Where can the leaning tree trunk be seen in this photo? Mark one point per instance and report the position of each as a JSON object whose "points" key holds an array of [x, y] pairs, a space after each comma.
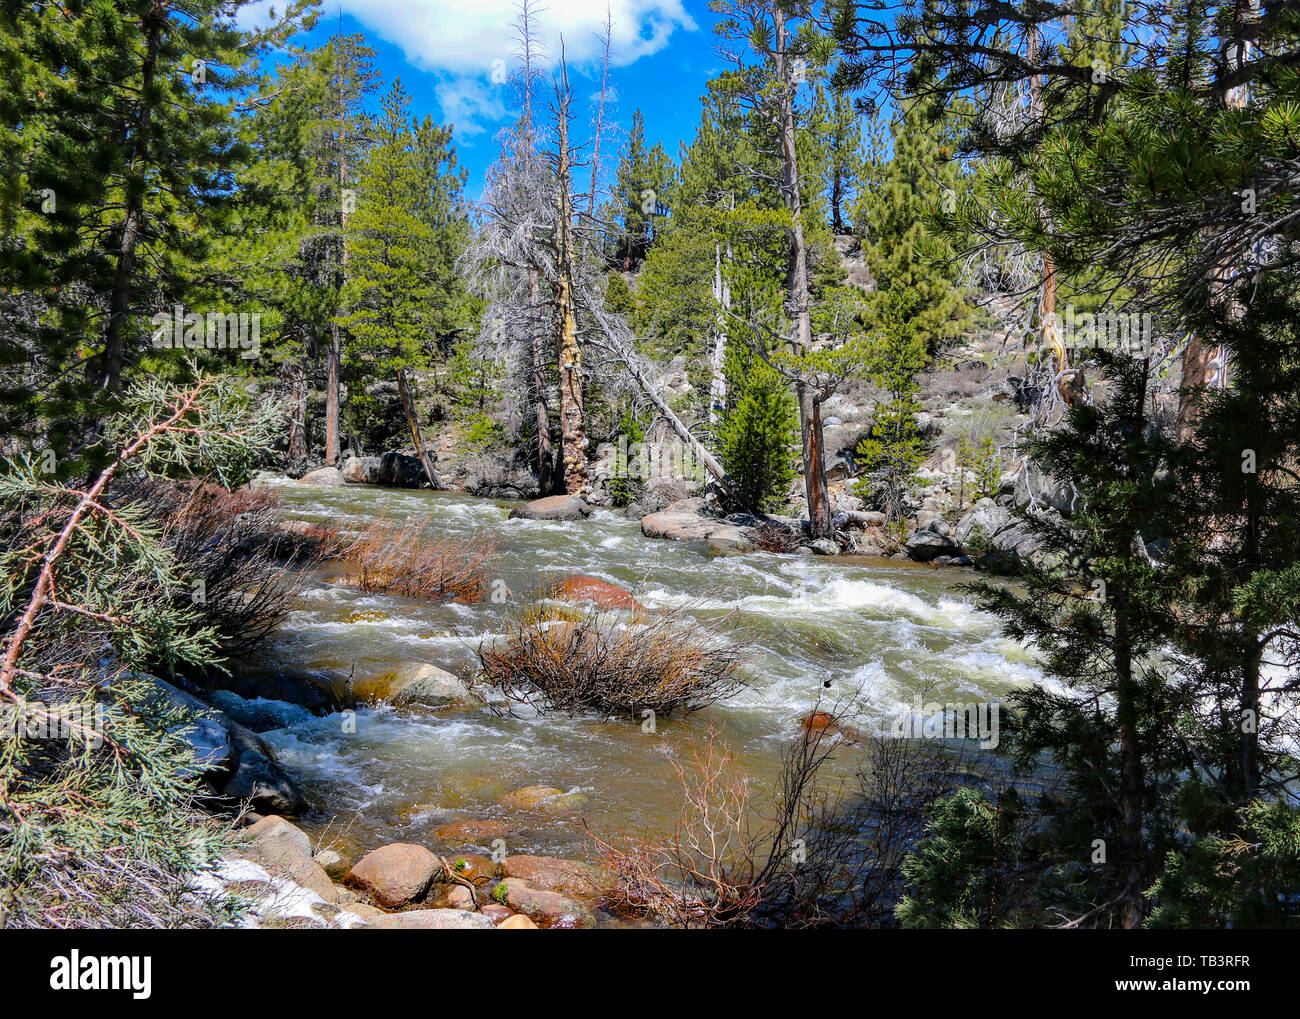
{"points": [[810, 427], [408, 408]]}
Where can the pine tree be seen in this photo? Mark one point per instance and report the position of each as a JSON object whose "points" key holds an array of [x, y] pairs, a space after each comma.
{"points": [[758, 432]]}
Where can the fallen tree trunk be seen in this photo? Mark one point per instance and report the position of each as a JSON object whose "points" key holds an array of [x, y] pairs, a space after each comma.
{"points": [[620, 348]]}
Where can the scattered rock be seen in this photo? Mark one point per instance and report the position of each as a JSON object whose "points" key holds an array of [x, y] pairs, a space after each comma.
{"points": [[543, 799], [570, 877], [824, 546], [926, 545], [432, 920], [396, 874], [334, 864], [553, 507], [549, 910], [517, 922]]}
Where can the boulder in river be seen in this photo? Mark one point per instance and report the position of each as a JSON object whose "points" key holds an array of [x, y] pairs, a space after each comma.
{"points": [[398, 470], [414, 685], [926, 545], [232, 760], [361, 470], [600, 593], [396, 875], [322, 476], [553, 507]]}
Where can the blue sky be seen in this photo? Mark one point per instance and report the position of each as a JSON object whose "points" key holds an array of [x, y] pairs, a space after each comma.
{"points": [[446, 53]]}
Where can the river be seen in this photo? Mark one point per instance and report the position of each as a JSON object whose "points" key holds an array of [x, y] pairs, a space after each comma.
{"points": [[880, 633]]}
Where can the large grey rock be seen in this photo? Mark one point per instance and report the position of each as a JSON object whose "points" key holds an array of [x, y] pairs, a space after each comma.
{"points": [[431, 920], [1033, 487], [329, 476], [361, 470], [232, 760], [926, 545], [985, 518], [397, 470], [553, 507]]}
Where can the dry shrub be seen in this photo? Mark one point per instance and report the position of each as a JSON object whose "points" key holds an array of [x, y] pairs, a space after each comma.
{"points": [[772, 537], [826, 853], [401, 558], [578, 657], [234, 542]]}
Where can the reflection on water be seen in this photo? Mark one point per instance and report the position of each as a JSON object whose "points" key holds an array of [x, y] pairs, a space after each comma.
{"points": [[871, 636]]}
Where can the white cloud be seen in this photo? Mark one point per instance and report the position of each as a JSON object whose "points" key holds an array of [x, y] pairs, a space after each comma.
{"points": [[469, 44], [466, 36]]}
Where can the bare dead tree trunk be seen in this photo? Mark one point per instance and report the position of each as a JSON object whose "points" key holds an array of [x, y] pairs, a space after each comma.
{"points": [[814, 466], [408, 408], [545, 456], [107, 373], [573, 439], [334, 356], [722, 300]]}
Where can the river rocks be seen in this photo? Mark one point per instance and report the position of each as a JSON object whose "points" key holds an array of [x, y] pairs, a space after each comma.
{"points": [[475, 831], [661, 493], [553, 507], [233, 761], [569, 877], [689, 520], [333, 863], [361, 470], [730, 539], [396, 874], [824, 546], [516, 922], [473, 867], [432, 920], [1033, 487], [600, 593], [543, 799], [549, 910], [981, 521], [330, 476], [925, 545], [281, 847], [414, 685], [398, 470]]}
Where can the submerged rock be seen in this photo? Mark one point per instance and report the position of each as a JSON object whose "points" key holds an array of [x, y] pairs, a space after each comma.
{"points": [[543, 799], [553, 507], [396, 875], [414, 685], [600, 593]]}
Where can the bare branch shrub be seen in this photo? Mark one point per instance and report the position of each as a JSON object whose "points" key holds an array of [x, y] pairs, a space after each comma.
{"points": [[579, 657], [401, 558]]}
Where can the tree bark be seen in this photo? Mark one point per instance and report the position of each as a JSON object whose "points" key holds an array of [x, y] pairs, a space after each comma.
{"points": [[107, 374], [408, 408], [298, 423], [573, 439], [814, 466], [722, 299]]}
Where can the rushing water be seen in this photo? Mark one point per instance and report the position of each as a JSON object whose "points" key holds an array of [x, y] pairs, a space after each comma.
{"points": [[880, 633]]}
